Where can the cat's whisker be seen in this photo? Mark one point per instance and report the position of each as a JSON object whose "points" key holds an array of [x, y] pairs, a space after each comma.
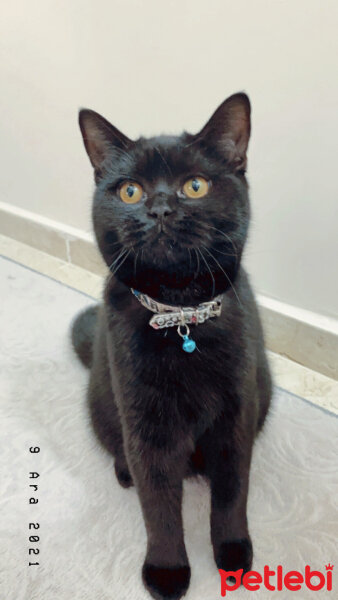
{"points": [[227, 237], [224, 253], [198, 262], [114, 244], [189, 252], [210, 271], [126, 254], [116, 259], [226, 275], [121, 263], [135, 261]]}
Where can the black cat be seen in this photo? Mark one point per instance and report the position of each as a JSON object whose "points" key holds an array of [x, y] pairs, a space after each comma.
{"points": [[171, 216]]}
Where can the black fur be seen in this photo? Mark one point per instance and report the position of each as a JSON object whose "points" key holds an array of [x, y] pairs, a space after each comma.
{"points": [[83, 331], [165, 414]]}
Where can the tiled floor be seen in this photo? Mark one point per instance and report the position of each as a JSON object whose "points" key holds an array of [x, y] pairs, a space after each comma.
{"points": [[299, 380]]}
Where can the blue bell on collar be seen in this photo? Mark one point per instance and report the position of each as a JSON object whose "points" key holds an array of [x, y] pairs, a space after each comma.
{"points": [[188, 345]]}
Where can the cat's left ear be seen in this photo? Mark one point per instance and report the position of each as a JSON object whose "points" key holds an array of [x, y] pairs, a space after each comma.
{"points": [[229, 130]]}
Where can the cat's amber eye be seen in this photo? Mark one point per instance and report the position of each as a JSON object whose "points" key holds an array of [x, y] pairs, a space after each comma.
{"points": [[196, 187], [131, 192]]}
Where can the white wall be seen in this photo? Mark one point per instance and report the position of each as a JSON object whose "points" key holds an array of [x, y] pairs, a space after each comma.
{"points": [[151, 66]]}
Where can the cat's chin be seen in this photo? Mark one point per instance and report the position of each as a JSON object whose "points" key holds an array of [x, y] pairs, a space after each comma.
{"points": [[164, 252]]}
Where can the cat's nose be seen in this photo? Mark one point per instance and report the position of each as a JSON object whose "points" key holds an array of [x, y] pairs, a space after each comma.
{"points": [[159, 209]]}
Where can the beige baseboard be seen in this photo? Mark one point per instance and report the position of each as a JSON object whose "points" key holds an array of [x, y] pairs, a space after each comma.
{"points": [[57, 239], [303, 336]]}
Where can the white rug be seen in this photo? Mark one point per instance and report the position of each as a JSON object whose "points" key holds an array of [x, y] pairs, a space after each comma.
{"points": [[92, 538]]}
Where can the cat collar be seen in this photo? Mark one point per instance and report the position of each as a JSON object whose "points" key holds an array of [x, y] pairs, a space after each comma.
{"points": [[180, 316]]}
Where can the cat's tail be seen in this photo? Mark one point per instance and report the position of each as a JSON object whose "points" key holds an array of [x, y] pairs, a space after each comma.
{"points": [[83, 332]]}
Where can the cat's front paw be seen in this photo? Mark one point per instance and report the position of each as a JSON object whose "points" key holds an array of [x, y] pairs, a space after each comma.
{"points": [[166, 582], [233, 555], [123, 476]]}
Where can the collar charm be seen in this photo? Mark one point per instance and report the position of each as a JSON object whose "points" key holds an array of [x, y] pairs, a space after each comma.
{"points": [[188, 344], [180, 316]]}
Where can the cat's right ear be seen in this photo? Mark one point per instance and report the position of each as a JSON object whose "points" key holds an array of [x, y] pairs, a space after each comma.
{"points": [[100, 139]]}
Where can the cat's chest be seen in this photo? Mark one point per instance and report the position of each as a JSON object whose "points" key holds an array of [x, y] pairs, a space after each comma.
{"points": [[167, 392], [153, 368]]}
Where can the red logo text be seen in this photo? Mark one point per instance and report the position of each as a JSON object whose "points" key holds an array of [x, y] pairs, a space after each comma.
{"points": [[277, 580]]}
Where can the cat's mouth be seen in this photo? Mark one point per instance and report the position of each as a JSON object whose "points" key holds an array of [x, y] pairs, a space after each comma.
{"points": [[161, 236], [168, 238], [164, 244], [161, 229]]}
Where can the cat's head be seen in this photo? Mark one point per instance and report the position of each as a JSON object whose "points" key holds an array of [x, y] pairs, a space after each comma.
{"points": [[171, 213]]}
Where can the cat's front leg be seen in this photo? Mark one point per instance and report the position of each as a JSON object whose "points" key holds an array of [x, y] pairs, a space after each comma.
{"points": [[158, 476], [228, 465]]}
